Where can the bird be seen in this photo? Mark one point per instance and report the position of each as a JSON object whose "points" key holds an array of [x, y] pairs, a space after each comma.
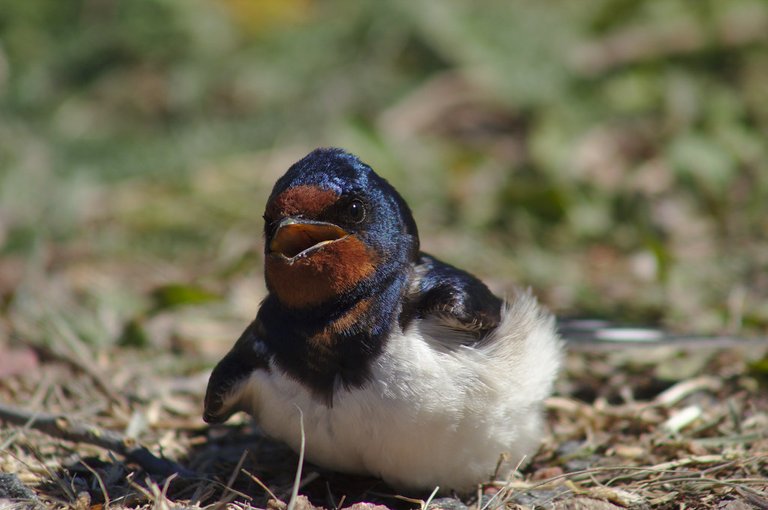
{"points": [[381, 359]]}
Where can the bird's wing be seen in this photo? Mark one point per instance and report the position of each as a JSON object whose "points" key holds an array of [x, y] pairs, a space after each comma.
{"points": [[450, 298], [222, 396]]}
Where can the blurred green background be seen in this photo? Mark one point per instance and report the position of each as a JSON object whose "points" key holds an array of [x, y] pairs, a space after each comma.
{"points": [[611, 154]]}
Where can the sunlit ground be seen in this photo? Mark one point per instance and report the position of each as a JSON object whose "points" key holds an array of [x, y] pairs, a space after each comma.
{"points": [[609, 155]]}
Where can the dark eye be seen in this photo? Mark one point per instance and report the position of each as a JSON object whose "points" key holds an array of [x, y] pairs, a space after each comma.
{"points": [[356, 211]]}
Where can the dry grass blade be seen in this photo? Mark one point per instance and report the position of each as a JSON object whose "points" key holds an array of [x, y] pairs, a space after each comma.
{"points": [[102, 486], [76, 361], [425, 504], [229, 494], [261, 484], [26, 426], [506, 487], [297, 479], [63, 428]]}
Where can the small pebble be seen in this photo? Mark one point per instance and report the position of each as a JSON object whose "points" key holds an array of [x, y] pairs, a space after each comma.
{"points": [[12, 488], [447, 504]]}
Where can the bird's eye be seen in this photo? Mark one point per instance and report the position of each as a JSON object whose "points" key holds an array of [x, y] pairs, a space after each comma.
{"points": [[356, 211]]}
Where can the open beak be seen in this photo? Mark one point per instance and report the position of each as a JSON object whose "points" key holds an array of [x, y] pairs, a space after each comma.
{"points": [[296, 238]]}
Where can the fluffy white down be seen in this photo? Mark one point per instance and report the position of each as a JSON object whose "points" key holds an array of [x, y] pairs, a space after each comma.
{"points": [[435, 413]]}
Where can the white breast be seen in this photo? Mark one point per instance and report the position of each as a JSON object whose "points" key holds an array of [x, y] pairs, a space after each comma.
{"points": [[435, 412]]}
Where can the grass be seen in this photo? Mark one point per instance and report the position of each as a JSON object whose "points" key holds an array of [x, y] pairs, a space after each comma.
{"points": [[620, 431], [616, 166]]}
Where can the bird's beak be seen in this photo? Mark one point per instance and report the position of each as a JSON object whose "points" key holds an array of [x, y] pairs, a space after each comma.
{"points": [[298, 237]]}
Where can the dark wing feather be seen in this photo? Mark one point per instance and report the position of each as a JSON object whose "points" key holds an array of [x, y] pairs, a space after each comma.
{"points": [[453, 297], [248, 354]]}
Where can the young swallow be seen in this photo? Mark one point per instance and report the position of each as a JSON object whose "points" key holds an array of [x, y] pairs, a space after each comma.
{"points": [[403, 367]]}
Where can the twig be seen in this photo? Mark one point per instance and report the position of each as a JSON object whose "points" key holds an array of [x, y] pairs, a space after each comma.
{"points": [[63, 428]]}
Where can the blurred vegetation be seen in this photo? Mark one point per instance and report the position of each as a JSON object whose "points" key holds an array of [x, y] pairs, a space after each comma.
{"points": [[609, 153]]}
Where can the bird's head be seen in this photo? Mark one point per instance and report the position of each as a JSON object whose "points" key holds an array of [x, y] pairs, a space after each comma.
{"points": [[334, 228]]}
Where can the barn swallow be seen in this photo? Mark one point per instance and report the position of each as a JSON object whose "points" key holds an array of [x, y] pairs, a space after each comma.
{"points": [[403, 366]]}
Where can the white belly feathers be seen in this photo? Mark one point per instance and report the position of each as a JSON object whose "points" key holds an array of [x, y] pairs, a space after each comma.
{"points": [[435, 412]]}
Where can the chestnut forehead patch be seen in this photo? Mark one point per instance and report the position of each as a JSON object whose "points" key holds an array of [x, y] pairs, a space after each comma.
{"points": [[307, 200]]}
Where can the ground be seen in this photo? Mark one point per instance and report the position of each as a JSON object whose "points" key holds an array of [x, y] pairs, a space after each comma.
{"points": [[610, 155], [680, 426]]}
